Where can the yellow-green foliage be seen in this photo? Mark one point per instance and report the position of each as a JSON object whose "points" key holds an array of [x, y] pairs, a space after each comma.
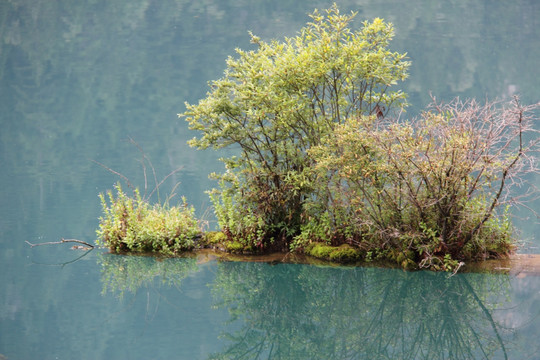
{"points": [[432, 186], [324, 157], [132, 224], [214, 237], [234, 247], [343, 253], [319, 250]]}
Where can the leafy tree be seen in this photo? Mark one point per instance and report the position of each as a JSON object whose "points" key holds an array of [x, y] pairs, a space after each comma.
{"points": [[278, 101]]}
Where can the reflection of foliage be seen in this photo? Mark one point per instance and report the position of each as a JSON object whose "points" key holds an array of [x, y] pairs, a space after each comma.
{"points": [[121, 273], [306, 312]]}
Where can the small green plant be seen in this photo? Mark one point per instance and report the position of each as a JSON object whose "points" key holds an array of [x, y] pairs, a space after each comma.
{"points": [[132, 224]]}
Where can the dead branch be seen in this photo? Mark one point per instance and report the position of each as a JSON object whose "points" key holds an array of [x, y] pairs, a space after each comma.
{"points": [[143, 164], [165, 178], [61, 242]]}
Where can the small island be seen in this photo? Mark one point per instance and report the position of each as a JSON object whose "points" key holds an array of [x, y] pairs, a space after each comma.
{"points": [[329, 166]]}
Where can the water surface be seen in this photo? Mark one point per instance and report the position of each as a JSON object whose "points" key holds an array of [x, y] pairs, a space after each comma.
{"points": [[77, 79]]}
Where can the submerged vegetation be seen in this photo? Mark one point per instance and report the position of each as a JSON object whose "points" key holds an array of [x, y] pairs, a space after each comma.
{"points": [[328, 166]]}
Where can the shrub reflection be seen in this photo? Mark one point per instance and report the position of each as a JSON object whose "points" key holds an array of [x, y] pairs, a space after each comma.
{"points": [[307, 312], [294, 311], [128, 273]]}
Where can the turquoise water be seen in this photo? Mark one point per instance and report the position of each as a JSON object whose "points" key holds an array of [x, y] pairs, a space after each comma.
{"points": [[78, 79], [104, 306]]}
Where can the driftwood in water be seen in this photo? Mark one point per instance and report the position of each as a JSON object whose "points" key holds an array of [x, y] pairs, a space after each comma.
{"points": [[62, 241]]}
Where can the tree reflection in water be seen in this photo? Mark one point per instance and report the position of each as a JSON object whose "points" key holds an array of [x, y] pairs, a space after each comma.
{"points": [[294, 311], [307, 312]]}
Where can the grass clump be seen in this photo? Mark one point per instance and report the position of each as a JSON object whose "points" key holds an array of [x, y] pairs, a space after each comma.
{"points": [[131, 224]]}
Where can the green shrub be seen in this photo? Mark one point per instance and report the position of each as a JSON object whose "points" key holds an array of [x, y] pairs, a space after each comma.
{"points": [[132, 224], [324, 156], [435, 186]]}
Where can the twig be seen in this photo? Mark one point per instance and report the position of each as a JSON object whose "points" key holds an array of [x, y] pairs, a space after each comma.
{"points": [[460, 264], [146, 197], [165, 178], [142, 161], [61, 242], [116, 173]]}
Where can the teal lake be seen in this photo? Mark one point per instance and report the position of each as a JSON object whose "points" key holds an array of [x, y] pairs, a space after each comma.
{"points": [[78, 80]]}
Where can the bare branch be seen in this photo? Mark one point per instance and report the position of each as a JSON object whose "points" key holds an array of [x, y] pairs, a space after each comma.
{"points": [[62, 241], [162, 181], [116, 173]]}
